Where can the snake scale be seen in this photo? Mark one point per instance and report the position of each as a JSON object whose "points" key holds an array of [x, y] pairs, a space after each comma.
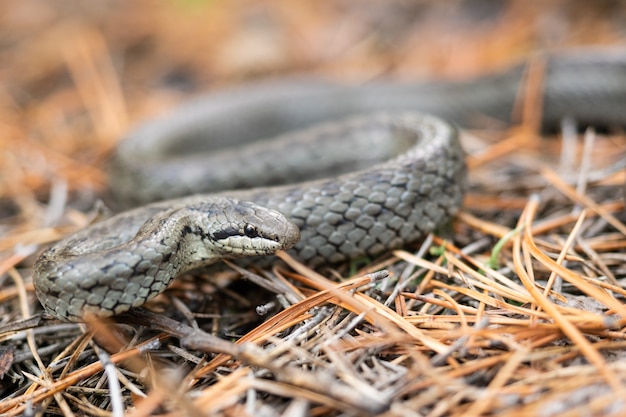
{"points": [[372, 171]]}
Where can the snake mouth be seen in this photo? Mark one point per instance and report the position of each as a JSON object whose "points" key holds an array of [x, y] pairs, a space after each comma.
{"points": [[237, 246], [250, 240]]}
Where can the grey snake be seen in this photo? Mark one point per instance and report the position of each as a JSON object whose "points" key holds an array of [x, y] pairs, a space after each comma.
{"points": [[361, 170]]}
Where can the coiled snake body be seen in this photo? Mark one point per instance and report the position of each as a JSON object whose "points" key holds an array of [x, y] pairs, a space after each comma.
{"points": [[379, 180]]}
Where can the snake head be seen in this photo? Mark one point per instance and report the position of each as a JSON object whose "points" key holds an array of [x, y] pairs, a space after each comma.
{"points": [[105, 275], [243, 228]]}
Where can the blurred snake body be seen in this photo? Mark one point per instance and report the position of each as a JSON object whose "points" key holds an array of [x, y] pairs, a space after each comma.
{"points": [[367, 169]]}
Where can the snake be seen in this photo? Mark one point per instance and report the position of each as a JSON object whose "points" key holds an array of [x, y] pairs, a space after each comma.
{"points": [[327, 171]]}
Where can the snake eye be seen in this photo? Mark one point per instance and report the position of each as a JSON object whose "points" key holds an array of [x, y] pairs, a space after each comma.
{"points": [[250, 231]]}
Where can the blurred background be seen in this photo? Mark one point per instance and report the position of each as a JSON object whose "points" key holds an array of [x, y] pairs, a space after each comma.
{"points": [[74, 76]]}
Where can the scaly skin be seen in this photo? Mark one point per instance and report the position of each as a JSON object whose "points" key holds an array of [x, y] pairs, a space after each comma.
{"points": [[390, 178]]}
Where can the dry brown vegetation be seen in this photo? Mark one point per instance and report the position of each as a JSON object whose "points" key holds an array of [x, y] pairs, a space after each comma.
{"points": [[518, 310]]}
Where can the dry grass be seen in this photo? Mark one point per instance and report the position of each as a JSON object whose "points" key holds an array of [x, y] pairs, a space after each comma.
{"points": [[518, 311]]}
